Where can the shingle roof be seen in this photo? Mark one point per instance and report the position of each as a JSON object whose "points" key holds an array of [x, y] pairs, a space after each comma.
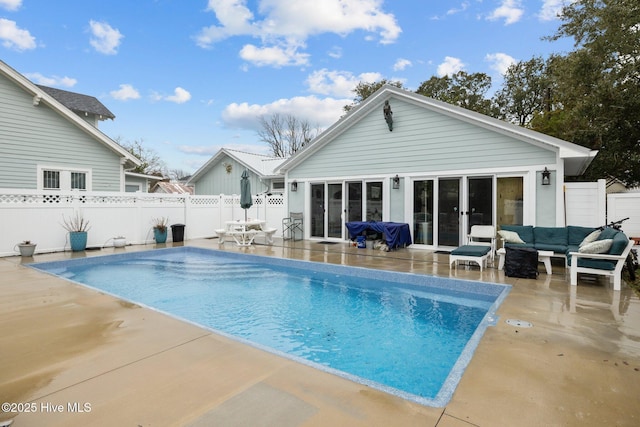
{"points": [[77, 102]]}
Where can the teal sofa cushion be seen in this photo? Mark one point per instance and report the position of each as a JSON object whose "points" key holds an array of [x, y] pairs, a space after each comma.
{"points": [[577, 234], [524, 231], [551, 236], [600, 264], [620, 242], [608, 233]]}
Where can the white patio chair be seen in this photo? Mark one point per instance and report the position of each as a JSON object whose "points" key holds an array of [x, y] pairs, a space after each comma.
{"points": [[483, 235]]}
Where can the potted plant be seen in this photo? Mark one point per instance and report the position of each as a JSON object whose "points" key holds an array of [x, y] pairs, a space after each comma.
{"points": [[26, 248], [160, 226], [77, 227], [120, 242]]}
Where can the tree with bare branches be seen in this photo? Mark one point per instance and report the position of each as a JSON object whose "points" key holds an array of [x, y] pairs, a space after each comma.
{"points": [[286, 134]]}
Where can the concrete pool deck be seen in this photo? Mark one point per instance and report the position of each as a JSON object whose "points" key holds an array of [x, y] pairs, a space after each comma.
{"points": [[71, 356]]}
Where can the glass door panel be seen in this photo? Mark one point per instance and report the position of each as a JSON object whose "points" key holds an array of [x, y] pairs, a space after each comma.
{"points": [[423, 212], [334, 211], [449, 212], [354, 201], [317, 210], [480, 202], [509, 204], [374, 201]]}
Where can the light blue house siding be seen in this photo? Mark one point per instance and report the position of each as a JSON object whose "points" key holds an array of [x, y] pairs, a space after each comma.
{"points": [[32, 135], [454, 168], [220, 179], [422, 141]]}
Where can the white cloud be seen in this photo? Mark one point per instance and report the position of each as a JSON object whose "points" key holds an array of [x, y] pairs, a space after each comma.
{"points": [[335, 52], [273, 56], [318, 112], [464, 6], [106, 39], [500, 62], [180, 96], [450, 66], [51, 81], [125, 93], [289, 24], [510, 10], [11, 4], [401, 64], [338, 83], [15, 38], [551, 9]]}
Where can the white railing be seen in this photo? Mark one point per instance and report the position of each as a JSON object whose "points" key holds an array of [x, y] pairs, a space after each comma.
{"points": [[38, 216]]}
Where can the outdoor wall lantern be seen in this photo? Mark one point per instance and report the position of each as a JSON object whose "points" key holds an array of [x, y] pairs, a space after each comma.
{"points": [[396, 182], [294, 185], [546, 177]]}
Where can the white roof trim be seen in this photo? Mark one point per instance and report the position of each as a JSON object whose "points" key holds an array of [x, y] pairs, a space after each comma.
{"points": [[566, 150], [41, 96]]}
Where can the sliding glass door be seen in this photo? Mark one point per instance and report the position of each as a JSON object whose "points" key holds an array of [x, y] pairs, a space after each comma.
{"points": [[449, 212], [423, 212]]}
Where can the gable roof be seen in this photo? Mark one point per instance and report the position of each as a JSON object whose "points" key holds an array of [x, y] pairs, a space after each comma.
{"points": [[260, 164], [79, 103], [576, 157], [171, 188], [41, 96]]}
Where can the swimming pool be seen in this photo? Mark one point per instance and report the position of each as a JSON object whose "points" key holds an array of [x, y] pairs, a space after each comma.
{"points": [[410, 335]]}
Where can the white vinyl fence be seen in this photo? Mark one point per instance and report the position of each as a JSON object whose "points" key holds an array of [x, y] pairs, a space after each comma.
{"points": [[625, 205], [585, 203], [38, 216]]}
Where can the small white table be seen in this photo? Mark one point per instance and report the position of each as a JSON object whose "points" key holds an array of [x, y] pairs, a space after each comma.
{"points": [[243, 232], [543, 256]]}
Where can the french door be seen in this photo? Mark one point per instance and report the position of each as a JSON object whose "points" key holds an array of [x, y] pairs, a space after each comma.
{"points": [[462, 202]]}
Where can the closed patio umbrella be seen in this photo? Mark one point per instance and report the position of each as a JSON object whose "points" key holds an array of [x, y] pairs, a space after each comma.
{"points": [[245, 193]]}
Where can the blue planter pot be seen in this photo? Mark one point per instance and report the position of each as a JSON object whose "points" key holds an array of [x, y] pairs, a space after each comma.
{"points": [[78, 240], [160, 235]]}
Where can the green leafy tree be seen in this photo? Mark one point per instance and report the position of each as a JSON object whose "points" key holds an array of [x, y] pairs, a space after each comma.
{"points": [[363, 90], [526, 92], [462, 89], [598, 85]]}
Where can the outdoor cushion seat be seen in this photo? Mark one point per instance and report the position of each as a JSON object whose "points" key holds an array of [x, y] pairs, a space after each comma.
{"points": [[551, 247], [472, 253]]}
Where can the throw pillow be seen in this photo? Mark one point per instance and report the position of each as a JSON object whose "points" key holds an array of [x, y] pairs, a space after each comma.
{"points": [[597, 247], [592, 237], [510, 236]]}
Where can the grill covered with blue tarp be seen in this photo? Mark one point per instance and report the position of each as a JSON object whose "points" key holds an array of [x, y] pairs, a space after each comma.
{"points": [[396, 234]]}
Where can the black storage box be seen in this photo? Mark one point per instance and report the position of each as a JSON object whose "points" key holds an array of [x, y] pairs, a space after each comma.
{"points": [[521, 262]]}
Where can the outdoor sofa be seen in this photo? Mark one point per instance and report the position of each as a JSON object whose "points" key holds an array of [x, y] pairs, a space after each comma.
{"points": [[601, 252]]}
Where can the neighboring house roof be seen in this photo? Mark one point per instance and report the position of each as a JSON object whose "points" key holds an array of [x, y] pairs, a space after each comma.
{"points": [[144, 176], [41, 96], [79, 103], [260, 164], [576, 158], [171, 188]]}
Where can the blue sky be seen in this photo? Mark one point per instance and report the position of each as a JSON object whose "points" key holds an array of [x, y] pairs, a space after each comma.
{"points": [[190, 77]]}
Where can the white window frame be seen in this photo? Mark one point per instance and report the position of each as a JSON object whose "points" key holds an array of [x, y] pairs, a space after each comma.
{"points": [[65, 177]]}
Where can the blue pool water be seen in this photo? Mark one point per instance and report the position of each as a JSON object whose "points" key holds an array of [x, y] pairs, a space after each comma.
{"points": [[411, 335]]}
